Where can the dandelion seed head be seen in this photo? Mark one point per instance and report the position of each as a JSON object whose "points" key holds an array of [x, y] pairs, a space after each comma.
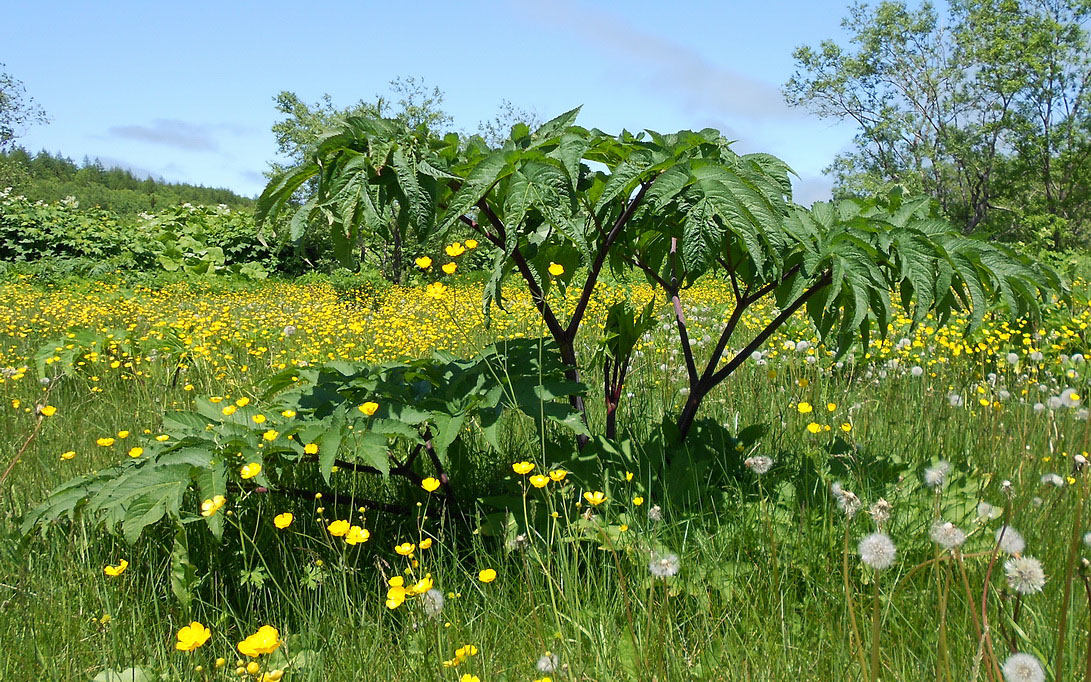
{"points": [[432, 603], [548, 663], [655, 513], [880, 511], [877, 551], [1053, 480], [947, 535], [1011, 541], [1025, 574], [1023, 668], [759, 464], [935, 476], [988, 511], [664, 565]]}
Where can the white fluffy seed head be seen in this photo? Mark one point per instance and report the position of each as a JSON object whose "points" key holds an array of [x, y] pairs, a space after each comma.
{"points": [[548, 663], [759, 464], [1025, 574], [1011, 541], [664, 565], [947, 535], [988, 511], [1053, 480], [1023, 668], [877, 550], [935, 476], [432, 602]]}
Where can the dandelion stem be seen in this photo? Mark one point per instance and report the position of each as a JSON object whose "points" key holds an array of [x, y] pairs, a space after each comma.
{"points": [[854, 632], [1070, 567], [875, 628]]}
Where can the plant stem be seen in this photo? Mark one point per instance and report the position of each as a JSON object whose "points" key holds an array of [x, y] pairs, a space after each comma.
{"points": [[1070, 567], [875, 628], [854, 632]]}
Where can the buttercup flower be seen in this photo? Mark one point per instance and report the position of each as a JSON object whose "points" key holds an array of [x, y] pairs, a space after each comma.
{"points": [[539, 481], [211, 506], [487, 576], [115, 571], [557, 475], [424, 262], [192, 636], [250, 470], [284, 520], [338, 528], [595, 499], [522, 468], [556, 269], [356, 535], [368, 408], [430, 484], [405, 549], [265, 641]]}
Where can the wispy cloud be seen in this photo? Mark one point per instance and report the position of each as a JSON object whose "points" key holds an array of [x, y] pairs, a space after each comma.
{"points": [[670, 68], [170, 132]]}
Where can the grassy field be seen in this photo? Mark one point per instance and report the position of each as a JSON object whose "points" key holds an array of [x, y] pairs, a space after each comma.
{"points": [[716, 569]]}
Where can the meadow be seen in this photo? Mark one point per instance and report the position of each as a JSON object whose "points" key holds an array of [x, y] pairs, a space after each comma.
{"points": [[758, 552]]}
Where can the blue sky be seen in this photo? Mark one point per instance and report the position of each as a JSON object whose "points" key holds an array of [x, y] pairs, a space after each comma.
{"points": [[185, 90]]}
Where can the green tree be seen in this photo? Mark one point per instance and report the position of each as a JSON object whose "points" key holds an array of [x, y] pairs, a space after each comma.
{"points": [[985, 111], [674, 207], [412, 103]]}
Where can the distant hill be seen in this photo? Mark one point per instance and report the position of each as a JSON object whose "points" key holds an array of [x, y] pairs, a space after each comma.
{"points": [[50, 177]]}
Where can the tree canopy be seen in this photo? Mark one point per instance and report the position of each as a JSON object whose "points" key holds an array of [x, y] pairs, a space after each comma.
{"points": [[985, 110], [675, 207]]}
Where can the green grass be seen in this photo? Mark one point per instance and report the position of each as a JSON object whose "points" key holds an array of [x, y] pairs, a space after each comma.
{"points": [[760, 594]]}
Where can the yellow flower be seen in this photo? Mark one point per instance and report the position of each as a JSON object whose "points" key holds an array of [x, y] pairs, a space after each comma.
{"points": [[405, 549], [122, 434], [192, 636], [250, 470], [105, 442], [831, 407], [48, 411], [471, 243], [356, 535], [637, 501], [804, 408], [115, 571], [228, 410], [338, 528], [430, 484], [628, 475], [814, 428], [270, 435], [435, 290], [846, 427], [487, 576], [467, 677], [136, 452], [242, 402], [211, 506], [265, 641], [310, 448], [284, 520], [556, 269], [272, 676], [450, 268], [455, 250], [258, 418], [595, 499], [162, 438], [288, 413], [558, 475], [368, 408], [522, 468], [424, 262], [395, 596], [396, 581], [539, 481], [68, 455], [422, 585], [425, 543]]}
